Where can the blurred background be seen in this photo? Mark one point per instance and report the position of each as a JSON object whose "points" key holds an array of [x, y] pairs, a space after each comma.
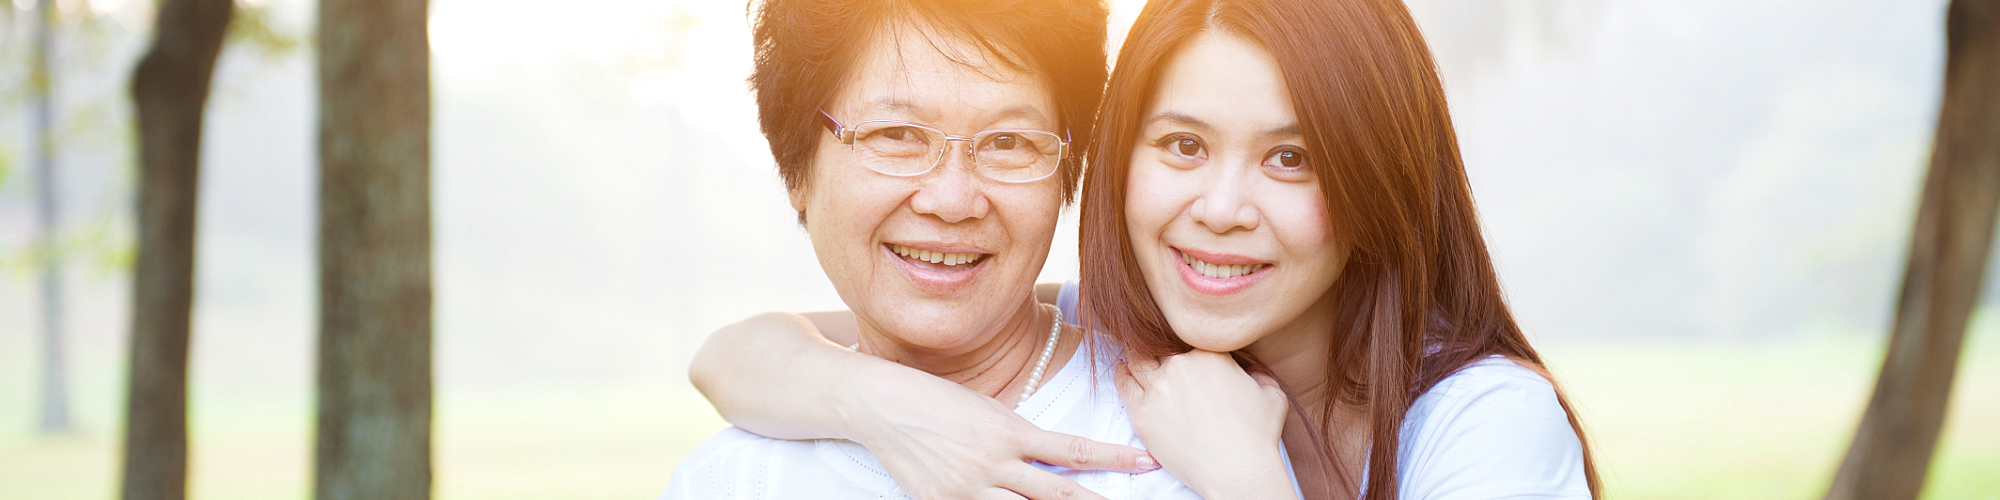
{"points": [[1699, 209]]}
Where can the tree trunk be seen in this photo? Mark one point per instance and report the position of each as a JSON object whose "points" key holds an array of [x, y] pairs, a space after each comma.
{"points": [[375, 274], [55, 386], [1954, 230], [169, 90]]}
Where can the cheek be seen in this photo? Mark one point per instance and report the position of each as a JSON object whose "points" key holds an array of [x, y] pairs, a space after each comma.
{"points": [[844, 209], [1030, 215], [1153, 197], [1301, 222]]}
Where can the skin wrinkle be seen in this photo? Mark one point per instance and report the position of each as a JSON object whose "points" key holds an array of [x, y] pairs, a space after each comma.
{"points": [[943, 333]]}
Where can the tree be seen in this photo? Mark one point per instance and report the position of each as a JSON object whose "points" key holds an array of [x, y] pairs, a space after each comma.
{"points": [[169, 90], [55, 402], [374, 429], [1954, 231]]}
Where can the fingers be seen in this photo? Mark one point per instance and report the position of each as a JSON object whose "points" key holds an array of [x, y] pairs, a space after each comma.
{"points": [[1037, 484], [1129, 387], [1265, 380], [1074, 452], [1142, 365], [1271, 389], [998, 494]]}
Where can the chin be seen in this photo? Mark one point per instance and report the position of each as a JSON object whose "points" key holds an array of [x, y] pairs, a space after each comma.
{"points": [[1213, 334], [933, 325]]}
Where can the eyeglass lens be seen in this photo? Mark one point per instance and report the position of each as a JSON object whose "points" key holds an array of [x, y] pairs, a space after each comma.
{"points": [[903, 149]]}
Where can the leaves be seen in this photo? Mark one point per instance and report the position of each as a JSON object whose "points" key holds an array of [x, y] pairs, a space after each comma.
{"points": [[252, 26]]}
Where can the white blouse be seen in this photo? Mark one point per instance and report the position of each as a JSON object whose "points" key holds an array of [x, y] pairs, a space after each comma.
{"points": [[1492, 430], [735, 464]]}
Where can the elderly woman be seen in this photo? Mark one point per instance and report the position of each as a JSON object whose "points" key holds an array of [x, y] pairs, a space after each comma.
{"points": [[927, 148]]}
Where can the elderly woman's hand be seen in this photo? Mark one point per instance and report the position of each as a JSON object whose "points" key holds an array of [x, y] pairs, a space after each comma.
{"points": [[1215, 427], [940, 440]]}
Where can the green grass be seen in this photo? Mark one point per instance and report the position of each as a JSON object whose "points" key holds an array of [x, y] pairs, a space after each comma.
{"points": [[1669, 420]]}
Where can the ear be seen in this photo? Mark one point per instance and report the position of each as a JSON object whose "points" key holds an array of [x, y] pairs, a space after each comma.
{"points": [[798, 199]]}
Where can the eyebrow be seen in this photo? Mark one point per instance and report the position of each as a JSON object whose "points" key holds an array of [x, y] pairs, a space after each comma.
{"points": [[1290, 129], [1181, 119]]}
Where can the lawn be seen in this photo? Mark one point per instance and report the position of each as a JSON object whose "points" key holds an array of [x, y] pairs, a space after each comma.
{"points": [[1669, 420]]}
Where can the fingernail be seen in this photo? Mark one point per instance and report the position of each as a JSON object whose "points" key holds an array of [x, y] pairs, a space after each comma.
{"points": [[1146, 462]]}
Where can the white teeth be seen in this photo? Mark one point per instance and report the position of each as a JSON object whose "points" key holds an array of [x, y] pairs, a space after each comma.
{"points": [[949, 259], [1213, 271]]}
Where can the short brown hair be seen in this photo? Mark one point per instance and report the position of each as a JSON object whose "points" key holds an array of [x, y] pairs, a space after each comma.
{"points": [[805, 50]]}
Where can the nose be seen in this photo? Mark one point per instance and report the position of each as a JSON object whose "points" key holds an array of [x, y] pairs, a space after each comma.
{"points": [[1226, 205], [952, 190]]}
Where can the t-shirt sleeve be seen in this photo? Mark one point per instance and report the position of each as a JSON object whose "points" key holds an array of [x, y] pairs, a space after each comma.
{"points": [[1491, 431], [724, 466]]}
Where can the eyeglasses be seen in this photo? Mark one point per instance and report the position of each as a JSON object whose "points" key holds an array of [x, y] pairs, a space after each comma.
{"points": [[904, 149]]}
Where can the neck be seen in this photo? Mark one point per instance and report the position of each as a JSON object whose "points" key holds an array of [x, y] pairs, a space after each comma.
{"points": [[1000, 363], [1299, 355]]}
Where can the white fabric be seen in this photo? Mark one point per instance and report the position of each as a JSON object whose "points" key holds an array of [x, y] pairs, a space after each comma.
{"points": [[734, 464], [1492, 430]]}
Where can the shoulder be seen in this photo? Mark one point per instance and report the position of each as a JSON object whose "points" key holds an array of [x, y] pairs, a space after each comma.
{"points": [[709, 471], [727, 463], [1494, 429]]}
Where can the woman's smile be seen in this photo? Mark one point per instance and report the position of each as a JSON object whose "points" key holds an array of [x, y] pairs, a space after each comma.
{"points": [[1216, 273], [937, 267]]}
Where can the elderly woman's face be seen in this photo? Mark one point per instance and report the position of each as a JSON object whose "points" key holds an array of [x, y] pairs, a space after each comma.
{"points": [[937, 261]]}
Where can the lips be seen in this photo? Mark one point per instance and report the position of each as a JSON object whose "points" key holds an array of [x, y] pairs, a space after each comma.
{"points": [[1218, 274], [934, 257], [937, 268]]}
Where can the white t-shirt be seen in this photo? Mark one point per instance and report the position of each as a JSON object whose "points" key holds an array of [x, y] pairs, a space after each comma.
{"points": [[735, 464], [1492, 430]]}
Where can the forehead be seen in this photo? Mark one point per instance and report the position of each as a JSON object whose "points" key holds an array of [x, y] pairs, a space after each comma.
{"points": [[1224, 79], [915, 73]]}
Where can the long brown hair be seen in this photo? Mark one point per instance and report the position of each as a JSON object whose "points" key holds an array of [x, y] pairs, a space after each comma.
{"points": [[1418, 299]]}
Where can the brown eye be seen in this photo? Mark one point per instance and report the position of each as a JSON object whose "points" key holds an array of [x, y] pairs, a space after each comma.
{"points": [[1187, 147], [1005, 142], [896, 134], [1290, 159], [1287, 159]]}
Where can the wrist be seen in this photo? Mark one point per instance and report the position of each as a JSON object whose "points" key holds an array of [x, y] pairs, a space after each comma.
{"points": [[1255, 478], [857, 401]]}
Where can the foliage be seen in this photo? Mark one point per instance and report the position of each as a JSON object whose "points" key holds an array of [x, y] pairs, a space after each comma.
{"points": [[95, 47], [252, 27]]}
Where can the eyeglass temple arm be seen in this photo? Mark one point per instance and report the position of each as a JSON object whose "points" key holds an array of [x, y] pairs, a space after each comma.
{"points": [[840, 132]]}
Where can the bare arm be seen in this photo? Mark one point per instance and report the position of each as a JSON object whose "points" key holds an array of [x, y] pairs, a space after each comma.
{"points": [[782, 375]]}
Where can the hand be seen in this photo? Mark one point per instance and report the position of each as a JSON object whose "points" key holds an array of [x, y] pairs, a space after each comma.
{"points": [[940, 440], [1215, 427]]}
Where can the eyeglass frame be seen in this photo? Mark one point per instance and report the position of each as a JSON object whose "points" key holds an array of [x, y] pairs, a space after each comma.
{"points": [[845, 135]]}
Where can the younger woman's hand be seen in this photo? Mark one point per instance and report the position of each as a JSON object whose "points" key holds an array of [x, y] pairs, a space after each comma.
{"points": [[1214, 426], [939, 440]]}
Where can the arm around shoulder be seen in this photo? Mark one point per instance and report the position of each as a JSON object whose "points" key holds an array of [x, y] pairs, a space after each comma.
{"points": [[775, 375]]}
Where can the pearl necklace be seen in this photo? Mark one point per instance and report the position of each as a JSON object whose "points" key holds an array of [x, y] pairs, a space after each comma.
{"points": [[1041, 365], [1048, 352]]}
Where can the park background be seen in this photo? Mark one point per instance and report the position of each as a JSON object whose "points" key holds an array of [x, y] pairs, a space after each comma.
{"points": [[1699, 209]]}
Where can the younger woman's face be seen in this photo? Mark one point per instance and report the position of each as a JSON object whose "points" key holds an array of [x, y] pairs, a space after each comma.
{"points": [[1223, 207]]}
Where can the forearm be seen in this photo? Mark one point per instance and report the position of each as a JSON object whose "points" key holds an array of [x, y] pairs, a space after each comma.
{"points": [[1266, 480], [776, 376]]}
